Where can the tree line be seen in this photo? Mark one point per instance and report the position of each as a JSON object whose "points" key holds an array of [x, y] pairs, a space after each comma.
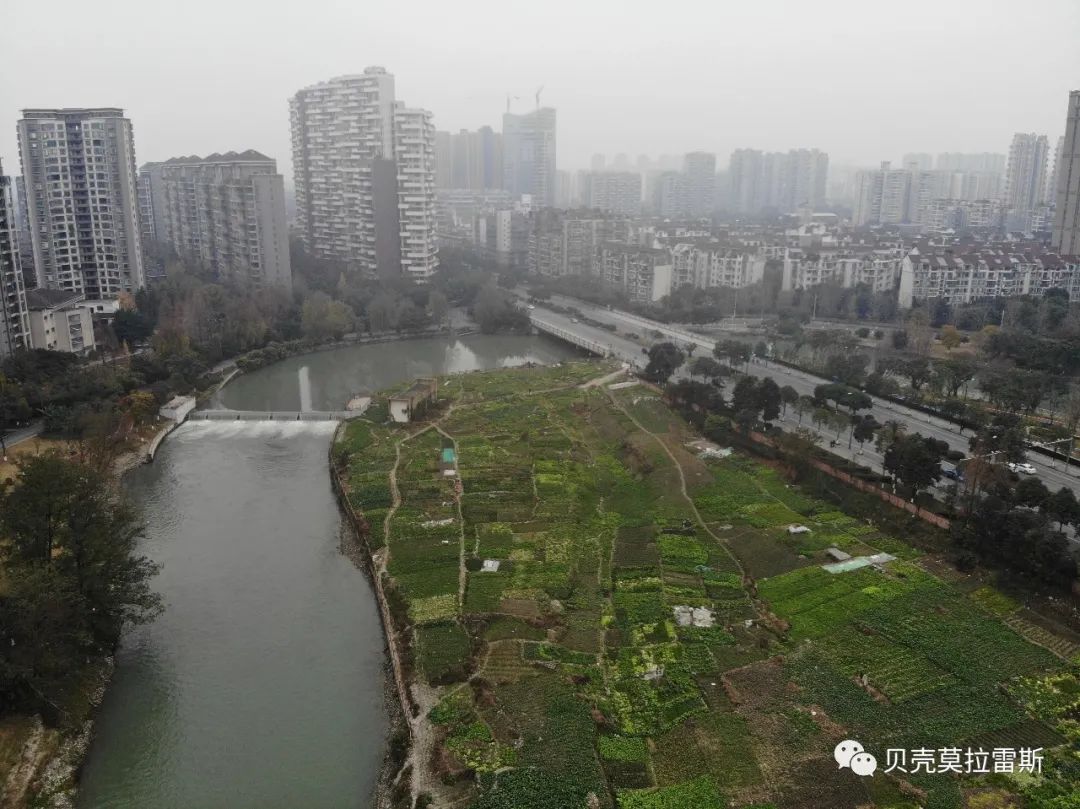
{"points": [[71, 578], [1030, 542]]}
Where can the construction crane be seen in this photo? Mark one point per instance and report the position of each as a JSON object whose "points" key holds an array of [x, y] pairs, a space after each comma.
{"points": [[539, 90], [508, 97]]}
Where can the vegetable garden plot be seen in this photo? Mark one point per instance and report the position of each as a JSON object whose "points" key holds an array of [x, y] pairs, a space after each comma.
{"points": [[764, 553], [568, 496], [699, 794]]}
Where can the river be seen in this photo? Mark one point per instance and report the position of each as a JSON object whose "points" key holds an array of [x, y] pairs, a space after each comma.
{"points": [[263, 683]]}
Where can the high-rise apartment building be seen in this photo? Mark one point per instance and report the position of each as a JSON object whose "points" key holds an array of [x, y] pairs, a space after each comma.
{"points": [[700, 171], [805, 178], [14, 326], [225, 212], [26, 244], [917, 161], [348, 183], [469, 160], [529, 155], [617, 192], [1066, 235], [414, 155], [979, 161], [567, 242], [444, 159], [1025, 179], [744, 180], [786, 181], [667, 195], [82, 200], [882, 196]]}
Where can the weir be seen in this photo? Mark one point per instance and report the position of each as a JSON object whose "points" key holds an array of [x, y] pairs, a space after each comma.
{"points": [[274, 415]]}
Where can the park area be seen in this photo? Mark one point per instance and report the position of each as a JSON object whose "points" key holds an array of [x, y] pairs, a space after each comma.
{"points": [[597, 615]]}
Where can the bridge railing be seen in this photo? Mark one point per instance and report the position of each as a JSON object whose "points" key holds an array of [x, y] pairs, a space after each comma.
{"points": [[594, 346]]}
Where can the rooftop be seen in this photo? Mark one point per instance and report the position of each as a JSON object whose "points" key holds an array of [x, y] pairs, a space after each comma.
{"points": [[39, 299]]}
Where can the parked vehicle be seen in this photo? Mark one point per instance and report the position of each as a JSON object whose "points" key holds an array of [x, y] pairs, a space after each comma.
{"points": [[1024, 468]]}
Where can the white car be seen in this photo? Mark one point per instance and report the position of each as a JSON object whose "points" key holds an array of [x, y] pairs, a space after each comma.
{"points": [[1026, 468], [532, 306]]}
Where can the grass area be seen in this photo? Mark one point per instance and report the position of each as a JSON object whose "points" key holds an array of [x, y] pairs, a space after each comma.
{"points": [[623, 650]]}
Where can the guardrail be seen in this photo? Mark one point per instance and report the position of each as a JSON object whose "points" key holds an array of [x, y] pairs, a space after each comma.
{"points": [[594, 346]]}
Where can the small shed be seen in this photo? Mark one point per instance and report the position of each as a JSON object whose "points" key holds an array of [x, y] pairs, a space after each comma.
{"points": [[177, 408], [415, 400]]}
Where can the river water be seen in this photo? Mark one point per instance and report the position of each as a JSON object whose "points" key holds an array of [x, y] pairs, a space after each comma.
{"points": [[262, 685]]}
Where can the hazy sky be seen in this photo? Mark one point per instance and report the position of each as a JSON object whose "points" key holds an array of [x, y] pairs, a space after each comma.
{"points": [[865, 80]]}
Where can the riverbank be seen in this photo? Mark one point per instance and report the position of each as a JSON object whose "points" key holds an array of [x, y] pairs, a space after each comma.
{"points": [[385, 371], [40, 764], [355, 545]]}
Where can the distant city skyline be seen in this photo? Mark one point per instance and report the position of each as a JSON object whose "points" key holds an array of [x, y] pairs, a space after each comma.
{"points": [[609, 74]]}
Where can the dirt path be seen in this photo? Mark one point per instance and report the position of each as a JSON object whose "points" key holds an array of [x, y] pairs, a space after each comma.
{"points": [[603, 380], [682, 484], [425, 739], [461, 517]]}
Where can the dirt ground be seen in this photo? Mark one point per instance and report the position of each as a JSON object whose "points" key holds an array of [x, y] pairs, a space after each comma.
{"points": [[31, 446]]}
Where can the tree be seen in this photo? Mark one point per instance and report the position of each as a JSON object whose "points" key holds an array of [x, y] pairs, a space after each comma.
{"points": [[918, 372], [324, 318], [1031, 492], [438, 306], [746, 419], [768, 399], [140, 405], [847, 368], [74, 579], [382, 312], [955, 373], [494, 310], [804, 405], [788, 396], [863, 429], [735, 352], [745, 396], [664, 360], [888, 434], [706, 367], [131, 326], [1062, 506], [916, 461], [950, 337]]}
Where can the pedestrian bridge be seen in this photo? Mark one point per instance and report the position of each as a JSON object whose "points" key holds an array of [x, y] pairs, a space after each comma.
{"points": [[274, 415]]}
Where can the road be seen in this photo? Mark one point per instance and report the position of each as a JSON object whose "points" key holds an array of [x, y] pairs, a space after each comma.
{"points": [[1053, 473], [23, 434]]}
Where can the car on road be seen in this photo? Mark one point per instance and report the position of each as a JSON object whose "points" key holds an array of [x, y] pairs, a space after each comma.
{"points": [[1024, 468], [574, 320], [952, 474]]}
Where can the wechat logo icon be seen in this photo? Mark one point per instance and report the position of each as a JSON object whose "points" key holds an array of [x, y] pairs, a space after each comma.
{"points": [[849, 753]]}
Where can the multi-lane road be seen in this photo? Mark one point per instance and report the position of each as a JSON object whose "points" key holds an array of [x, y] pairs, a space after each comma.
{"points": [[1053, 473]]}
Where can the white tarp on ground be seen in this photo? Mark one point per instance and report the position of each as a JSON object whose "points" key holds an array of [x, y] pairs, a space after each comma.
{"points": [[857, 562], [490, 566], [693, 616]]}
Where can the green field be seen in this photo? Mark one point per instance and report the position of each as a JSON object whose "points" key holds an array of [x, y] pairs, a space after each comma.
{"points": [[638, 647]]}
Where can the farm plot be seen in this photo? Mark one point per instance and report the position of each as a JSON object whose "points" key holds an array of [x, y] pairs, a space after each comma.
{"points": [[618, 651]]}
